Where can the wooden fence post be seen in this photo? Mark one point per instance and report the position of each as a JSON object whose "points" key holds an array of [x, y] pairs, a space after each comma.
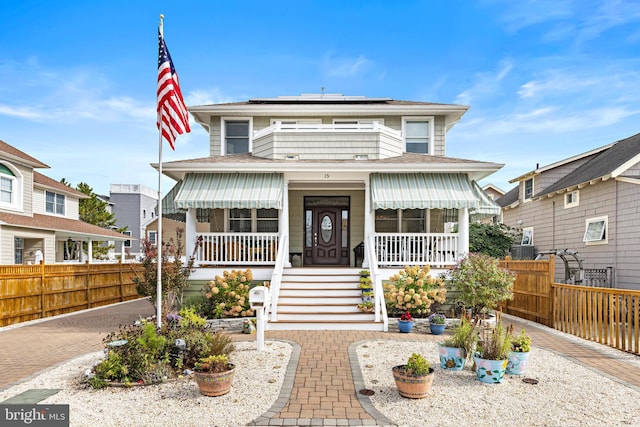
{"points": [[552, 293], [87, 282], [42, 284]]}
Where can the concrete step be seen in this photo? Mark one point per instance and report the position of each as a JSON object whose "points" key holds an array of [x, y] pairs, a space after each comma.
{"points": [[325, 326], [319, 293], [302, 307]]}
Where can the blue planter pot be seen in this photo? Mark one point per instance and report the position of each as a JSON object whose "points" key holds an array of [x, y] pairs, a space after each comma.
{"points": [[436, 329], [405, 326], [517, 363], [451, 358], [490, 371]]}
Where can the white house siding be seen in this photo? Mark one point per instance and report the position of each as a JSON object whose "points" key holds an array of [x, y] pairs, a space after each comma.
{"points": [[628, 236], [7, 239], [296, 217], [72, 208]]}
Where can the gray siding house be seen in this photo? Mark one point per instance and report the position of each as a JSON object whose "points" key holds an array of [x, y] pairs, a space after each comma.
{"points": [[588, 203], [133, 206]]}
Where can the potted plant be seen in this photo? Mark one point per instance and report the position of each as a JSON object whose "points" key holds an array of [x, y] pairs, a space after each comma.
{"points": [[518, 357], [365, 286], [406, 322], [437, 323], [491, 357], [414, 379], [455, 350], [366, 307], [481, 283], [214, 374]]}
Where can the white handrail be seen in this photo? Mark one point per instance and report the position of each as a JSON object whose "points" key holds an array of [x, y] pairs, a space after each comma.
{"points": [[276, 277], [380, 306]]}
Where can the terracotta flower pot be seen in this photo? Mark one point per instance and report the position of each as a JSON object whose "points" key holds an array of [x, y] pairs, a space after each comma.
{"points": [[215, 383], [410, 386]]}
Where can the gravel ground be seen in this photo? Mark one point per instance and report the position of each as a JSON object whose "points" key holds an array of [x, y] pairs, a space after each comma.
{"points": [[567, 394], [255, 389]]}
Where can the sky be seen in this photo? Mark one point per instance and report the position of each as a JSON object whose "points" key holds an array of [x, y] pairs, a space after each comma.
{"points": [[544, 80]]}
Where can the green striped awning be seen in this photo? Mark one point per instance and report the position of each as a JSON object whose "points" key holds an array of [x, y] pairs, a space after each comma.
{"points": [[230, 190], [168, 206], [429, 191]]}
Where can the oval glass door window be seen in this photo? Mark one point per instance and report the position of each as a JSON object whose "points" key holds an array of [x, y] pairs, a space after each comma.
{"points": [[326, 229]]}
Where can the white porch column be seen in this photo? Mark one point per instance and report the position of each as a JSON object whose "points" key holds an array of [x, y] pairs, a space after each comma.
{"points": [[284, 221], [90, 251], [191, 222], [463, 232], [369, 221], [122, 257]]}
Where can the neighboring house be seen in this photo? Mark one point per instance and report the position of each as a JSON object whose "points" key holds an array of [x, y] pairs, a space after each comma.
{"points": [[493, 191], [317, 178], [38, 213], [589, 203], [134, 206]]}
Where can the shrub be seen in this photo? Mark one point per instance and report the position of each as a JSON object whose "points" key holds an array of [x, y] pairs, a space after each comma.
{"points": [[417, 365], [228, 295], [413, 289]]}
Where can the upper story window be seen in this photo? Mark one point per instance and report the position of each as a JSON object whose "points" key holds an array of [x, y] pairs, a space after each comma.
{"points": [[9, 188], [127, 243], [572, 199], [418, 134], [153, 237], [596, 230], [528, 189], [54, 203], [236, 136]]}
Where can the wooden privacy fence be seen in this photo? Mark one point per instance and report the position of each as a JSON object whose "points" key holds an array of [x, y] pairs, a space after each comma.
{"points": [[604, 315], [29, 292]]}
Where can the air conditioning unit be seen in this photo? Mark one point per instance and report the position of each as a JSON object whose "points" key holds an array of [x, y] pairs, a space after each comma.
{"points": [[523, 252]]}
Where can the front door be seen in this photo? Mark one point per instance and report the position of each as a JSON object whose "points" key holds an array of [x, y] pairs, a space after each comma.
{"points": [[326, 231]]}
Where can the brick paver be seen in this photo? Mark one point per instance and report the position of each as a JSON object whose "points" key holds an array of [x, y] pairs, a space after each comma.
{"points": [[320, 385]]}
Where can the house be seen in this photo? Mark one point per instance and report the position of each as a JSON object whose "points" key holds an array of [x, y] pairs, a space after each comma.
{"points": [[319, 181], [39, 217], [585, 208], [493, 191], [133, 206]]}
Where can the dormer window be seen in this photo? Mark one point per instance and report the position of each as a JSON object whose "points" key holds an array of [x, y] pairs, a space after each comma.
{"points": [[236, 136], [10, 185], [418, 134], [528, 189], [54, 203]]}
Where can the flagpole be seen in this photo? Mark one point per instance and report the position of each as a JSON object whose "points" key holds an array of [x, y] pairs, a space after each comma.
{"points": [[159, 237]]}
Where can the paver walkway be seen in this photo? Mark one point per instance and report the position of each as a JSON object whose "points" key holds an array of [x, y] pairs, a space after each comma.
{"points": [[322, 387]]}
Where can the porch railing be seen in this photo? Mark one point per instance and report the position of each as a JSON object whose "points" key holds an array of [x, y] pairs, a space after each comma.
{"points": [[327, 128], [237, 248], [398, 249], [276, 278]]}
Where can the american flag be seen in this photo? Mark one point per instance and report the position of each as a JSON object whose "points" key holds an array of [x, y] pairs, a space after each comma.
{"points": [[173, 117]]}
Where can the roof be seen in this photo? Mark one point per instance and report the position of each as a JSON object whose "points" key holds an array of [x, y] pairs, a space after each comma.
{"points": [[62, 226], [611, 162], [509, 198], [20, 155], [410, 162], [45, 181]]}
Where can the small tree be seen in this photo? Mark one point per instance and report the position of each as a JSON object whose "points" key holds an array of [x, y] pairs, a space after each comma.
{"points": [[175, 273], [481, 282]]}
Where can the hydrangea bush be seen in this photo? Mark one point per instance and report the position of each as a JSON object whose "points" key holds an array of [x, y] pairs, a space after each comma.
{"points": [[228, 295], [413, 289]]}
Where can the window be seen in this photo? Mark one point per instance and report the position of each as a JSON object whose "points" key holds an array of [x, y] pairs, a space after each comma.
{"points": [[153, 237], [418, 134], [528, 189], [18, 250], [144, 213], [386, 220], [596, 230], [127, 243], [527, 236], [571, 199], [253, 220], [413, 221], [54, 203], [10, 186], [236, 136]]}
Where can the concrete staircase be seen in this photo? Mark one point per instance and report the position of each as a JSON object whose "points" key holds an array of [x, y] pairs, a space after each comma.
{"points": [[321, 299]]}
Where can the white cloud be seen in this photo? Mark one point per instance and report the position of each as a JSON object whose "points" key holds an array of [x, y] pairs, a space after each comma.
{"points": [[486, 83], [345, 67]]}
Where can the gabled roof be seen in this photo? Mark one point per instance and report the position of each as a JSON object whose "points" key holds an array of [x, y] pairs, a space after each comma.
{"points": [[61, 226], [509, 198], [46, 182], [608, 163], [14, 154]]}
